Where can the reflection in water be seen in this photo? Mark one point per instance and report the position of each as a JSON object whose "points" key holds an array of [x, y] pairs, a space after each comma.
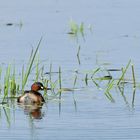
{"points": [[133, 98], [33, 110], [121, 90], [78, 56]]}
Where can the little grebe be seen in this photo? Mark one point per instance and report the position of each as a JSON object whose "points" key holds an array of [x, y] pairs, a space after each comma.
{"points": [[33, 96]]}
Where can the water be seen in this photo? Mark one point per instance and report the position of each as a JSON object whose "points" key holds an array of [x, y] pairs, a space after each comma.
{"points": [[92, 118], [87, 114]]}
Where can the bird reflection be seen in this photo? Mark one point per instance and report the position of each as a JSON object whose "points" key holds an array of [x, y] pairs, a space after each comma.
{"points": [[33, 110]]}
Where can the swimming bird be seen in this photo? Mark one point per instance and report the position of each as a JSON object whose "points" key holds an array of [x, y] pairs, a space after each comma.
{"points": [[33, 96]]}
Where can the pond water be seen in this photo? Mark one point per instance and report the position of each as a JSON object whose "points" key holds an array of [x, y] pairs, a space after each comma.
{"points": [[85, 113]]}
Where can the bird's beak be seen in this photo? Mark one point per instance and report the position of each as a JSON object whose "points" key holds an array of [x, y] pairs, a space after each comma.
{"points": [[45, 88]]}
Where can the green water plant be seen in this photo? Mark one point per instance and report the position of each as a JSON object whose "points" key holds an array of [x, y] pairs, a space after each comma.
{"points": [[93, 76], [124, 72], [78, 29], [133, 76], [81, 28], [86, 79], [37, 69], [74, 27], [11, 86], [6, 82], [13, 83], [78, 54], [110, 85], [75, 80], [26, 74], [134, 85], [60, 83]]}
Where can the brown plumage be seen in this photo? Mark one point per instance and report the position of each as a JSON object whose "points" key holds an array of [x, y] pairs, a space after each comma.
{"points": [[33, 96]]}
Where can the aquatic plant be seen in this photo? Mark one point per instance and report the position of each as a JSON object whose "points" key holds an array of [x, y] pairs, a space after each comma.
{"points": [[29, 66], [133, 76], [77, 29], [13, 89], [110, 85], [75, 80], [78, 54], [134, 85], [124, 72], [74, 27], [60, 83], [6, 82], [37, 69], [91, 76]]}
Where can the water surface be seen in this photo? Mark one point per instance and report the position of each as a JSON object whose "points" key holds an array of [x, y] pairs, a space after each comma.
{"points": [[114, 40]]}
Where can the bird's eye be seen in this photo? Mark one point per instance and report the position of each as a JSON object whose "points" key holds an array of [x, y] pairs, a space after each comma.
{"points": [[42, 87]]}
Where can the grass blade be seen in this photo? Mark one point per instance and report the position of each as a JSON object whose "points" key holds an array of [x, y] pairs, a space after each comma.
{"points": [[123, 73], [30, 64], [60, 86]]}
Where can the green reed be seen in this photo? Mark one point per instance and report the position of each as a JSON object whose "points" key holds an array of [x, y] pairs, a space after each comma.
{"points": [[52, 84], [29, 66], [60, 83], [74, 28], [95, 71], [6, 82], [78, 54], [134, 85], [81, 28], [60, 90], [96, 84], [75, 80], [10, 81], [110, 85], [123, 72], [78, 29], [37, 69], [10, 84], [86, 79], [13, 83], [45, 83], [50, 75], [133, 76], [94, 79]]}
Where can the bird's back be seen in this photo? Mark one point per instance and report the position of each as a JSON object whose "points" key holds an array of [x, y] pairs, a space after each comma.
{"points": [[31, 97]]}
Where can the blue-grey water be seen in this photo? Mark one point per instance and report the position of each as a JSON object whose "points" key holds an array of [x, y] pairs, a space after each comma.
{"points": [[83, 114]]}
